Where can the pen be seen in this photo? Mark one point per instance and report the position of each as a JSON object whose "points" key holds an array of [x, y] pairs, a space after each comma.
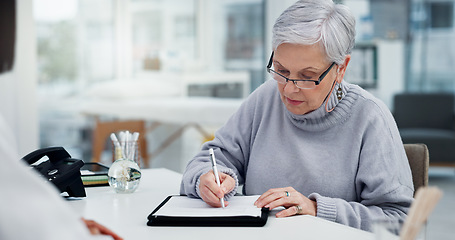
{"points": [[114, 140], [118, 148], [135, 136], [215, 171]]}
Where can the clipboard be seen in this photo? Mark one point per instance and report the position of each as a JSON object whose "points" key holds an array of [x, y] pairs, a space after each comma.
{"points": [[200, 215]]}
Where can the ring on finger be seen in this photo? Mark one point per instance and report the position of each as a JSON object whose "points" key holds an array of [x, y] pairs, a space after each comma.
{"points": [[298, 209], [288, 194]]}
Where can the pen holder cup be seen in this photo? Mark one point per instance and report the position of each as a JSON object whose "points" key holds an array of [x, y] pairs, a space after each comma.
{"points": [[390, 230], [125, 173]]}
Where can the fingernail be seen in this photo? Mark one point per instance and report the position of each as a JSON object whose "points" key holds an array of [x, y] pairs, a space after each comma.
{"points": [[224, 189]]}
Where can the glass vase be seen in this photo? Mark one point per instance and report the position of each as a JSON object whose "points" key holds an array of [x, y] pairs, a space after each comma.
{"points": [[125, 174]]}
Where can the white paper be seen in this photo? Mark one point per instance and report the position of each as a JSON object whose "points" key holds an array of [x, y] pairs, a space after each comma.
{"points": [[182, 206], [87, 172]]}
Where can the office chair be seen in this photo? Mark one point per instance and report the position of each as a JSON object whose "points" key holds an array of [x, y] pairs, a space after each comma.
{"points": [[418, 158]]}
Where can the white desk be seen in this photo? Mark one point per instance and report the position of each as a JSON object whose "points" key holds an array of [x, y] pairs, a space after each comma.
{"points": [[126, 214], [174, 110]]}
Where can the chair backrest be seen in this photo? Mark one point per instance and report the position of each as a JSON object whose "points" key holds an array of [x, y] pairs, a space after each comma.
{"points": [[424, 110], [418, 160]]}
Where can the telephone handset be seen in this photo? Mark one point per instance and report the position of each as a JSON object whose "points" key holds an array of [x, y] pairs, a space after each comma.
{"points": [[62, 170]]}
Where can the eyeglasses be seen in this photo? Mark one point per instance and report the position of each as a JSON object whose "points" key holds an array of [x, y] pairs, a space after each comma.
{"points": [[300, 83]]}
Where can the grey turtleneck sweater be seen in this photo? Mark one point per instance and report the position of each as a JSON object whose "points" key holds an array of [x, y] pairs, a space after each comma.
{"points": [[351, 160]]}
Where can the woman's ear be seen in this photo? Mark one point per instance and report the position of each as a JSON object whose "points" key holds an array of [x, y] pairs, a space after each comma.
{"points": [[341, 70]]}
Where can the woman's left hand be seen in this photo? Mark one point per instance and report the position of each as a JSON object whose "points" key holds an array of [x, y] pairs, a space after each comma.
{"points": [[294, 202]]}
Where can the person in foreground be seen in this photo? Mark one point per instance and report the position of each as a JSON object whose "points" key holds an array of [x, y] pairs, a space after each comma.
{"points": [[306, 140], [31, 208]]}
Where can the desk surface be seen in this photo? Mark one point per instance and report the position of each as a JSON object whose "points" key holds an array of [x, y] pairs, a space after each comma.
{"points": [[126, 214]]}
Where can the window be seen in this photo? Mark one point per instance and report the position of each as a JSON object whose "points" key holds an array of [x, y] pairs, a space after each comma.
{"points": [[441, 15], [93, 41], [431, 52], [163, 35], [244, 44], [75, 43]]}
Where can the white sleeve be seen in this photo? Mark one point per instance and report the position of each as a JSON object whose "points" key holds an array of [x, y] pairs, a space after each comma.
{"points": [[30, 207]]}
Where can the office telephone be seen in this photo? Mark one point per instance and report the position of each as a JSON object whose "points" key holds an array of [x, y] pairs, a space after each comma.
{"points": [[61, 170]]}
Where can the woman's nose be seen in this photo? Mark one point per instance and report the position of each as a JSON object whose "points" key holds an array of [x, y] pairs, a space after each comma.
{"points": [[290, 87]]}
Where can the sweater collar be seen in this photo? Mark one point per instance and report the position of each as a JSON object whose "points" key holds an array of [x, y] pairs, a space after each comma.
{"points": [[320, 119]]}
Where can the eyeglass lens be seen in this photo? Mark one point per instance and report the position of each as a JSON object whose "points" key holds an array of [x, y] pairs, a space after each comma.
{"points": [[299, 84]]}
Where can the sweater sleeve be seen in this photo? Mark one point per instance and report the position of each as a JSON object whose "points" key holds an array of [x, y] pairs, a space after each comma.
{"points": [[383, 183], [231, 147]]}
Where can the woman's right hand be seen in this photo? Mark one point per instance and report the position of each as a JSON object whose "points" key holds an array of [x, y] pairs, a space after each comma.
{"points": [[209, 190]]}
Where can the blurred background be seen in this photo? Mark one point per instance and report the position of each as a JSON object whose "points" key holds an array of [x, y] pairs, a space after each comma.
{"points": [[212, 48], [179, 68]]}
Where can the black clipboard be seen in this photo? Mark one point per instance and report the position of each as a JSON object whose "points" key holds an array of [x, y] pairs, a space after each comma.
{"points": [[231, 221]]}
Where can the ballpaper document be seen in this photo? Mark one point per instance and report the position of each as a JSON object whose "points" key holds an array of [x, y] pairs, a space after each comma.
{"points": [[182, 206]]}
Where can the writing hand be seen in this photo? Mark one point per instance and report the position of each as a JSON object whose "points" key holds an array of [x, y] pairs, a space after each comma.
{"points": [[294, 202], [98, 229], [209, 190]]}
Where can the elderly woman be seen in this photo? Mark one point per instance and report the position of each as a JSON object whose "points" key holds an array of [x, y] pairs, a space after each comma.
{"points": [[307, 140]]}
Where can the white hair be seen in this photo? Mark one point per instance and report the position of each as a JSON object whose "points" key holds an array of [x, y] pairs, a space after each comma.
{"points": [[308, 22]]}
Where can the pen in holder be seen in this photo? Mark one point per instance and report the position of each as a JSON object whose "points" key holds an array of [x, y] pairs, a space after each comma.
{"points": [[125, 174]]}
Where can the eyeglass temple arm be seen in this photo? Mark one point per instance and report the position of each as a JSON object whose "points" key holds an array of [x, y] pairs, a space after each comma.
{"points": [[325, 73], [270, 61]]}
